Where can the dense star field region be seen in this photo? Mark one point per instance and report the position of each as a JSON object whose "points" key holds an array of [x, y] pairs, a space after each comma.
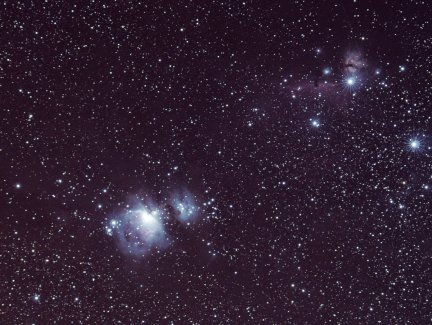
{"points": [[216, 162]]}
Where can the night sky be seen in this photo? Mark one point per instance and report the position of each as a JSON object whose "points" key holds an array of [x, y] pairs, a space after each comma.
{"points": [[216, 162]]}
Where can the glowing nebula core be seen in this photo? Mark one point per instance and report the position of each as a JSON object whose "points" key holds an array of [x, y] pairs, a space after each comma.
{"points": [[146, 226], [138, 231], [185, 206]]}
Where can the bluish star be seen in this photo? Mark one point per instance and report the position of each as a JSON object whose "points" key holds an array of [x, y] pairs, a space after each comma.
{"points": [[315, 123], [414, 144]]}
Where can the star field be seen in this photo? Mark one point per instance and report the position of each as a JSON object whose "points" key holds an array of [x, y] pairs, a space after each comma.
{"points": [[216, 162]]}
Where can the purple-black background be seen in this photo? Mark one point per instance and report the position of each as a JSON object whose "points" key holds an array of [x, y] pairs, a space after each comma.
{"points": [[327, 224]]}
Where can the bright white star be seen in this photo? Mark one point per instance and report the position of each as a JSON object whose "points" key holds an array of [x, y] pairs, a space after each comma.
{"points": [[415, 144], [315, 123]]}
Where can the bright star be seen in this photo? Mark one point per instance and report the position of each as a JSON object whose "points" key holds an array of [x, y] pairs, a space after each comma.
{"points": [[415, 144]]}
